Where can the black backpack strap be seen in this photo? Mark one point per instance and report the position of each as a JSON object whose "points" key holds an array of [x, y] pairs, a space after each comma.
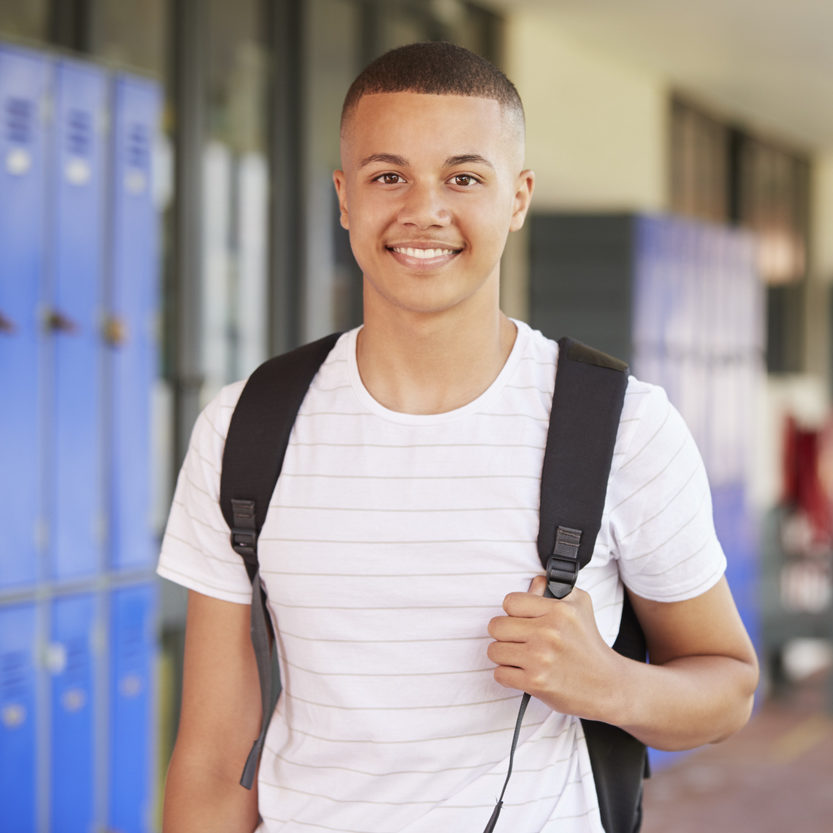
{"points": [[252, 459], [619, 761], [584, 421], [587, 403]]}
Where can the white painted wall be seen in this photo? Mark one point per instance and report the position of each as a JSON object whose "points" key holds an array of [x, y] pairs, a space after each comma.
{"points": [[596, 129]]}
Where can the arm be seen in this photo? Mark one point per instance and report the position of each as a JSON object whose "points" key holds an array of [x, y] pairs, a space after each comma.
{"points": [[698, 688], [219, 720]]}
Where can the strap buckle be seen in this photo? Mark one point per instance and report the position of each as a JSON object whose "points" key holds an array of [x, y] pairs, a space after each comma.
{"points": [[563, 565], [243, 532], [243, 541]]}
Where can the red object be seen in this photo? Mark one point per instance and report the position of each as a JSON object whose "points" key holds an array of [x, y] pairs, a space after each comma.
{"points": [[803, 486]]}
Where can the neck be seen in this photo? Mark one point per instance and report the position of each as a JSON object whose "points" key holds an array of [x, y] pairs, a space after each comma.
{"points": [[432, 364]]}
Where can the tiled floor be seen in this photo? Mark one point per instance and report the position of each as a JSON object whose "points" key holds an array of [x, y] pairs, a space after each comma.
{"points": [[774, 776]]}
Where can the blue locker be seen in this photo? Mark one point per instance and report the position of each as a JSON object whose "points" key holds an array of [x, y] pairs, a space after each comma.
{"points": [[647, 309], [131, 744], [133, 302], [76, 474], [18, 717], [735, 524], [71, 662], [24, 83]]}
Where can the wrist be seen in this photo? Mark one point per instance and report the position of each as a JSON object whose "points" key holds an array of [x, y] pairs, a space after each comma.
{"points": [[623, 695]]}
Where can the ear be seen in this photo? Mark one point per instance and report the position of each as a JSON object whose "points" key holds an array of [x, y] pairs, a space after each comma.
{"points": [[340, 182], [524, 186]]}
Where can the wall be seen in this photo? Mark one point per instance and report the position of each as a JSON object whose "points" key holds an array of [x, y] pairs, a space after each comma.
{"points": [[575, 100]]}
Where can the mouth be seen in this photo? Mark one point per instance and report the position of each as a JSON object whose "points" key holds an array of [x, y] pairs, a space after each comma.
{"points": [[423, 254], [421, 258]]}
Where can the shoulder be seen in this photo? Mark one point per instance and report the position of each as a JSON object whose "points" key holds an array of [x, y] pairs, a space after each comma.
{"points": [[535, 355], [208, 435], [652, 437], [659, 501], [647, 414], [212, 425]]}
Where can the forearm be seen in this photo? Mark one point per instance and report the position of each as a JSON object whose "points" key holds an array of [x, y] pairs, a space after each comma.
{"points": [[683, 703], [199, 799], [221, 714]]}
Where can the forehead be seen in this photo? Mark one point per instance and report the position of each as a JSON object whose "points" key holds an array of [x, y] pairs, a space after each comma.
{"points": [[391, 122]]}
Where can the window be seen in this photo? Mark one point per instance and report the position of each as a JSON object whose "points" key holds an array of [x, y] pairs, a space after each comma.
{"points": [[235, 194], [722, 173], [699, 164]]}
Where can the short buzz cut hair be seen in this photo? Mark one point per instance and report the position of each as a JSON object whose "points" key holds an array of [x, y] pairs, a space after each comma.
{"points": [[434, 68]]}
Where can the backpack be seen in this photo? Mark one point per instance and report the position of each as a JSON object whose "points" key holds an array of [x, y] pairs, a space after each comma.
{"points": [[587, 402]]}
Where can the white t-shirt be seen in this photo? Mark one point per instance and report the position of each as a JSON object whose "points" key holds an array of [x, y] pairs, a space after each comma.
{"points": [[391, 541]]}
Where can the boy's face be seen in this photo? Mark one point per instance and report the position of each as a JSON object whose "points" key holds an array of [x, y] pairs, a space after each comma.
{"points": [[429, 189]]}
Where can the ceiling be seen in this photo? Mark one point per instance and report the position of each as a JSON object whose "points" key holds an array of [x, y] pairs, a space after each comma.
{"points": [[765, 63]]}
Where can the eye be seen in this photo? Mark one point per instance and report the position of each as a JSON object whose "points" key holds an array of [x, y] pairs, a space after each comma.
{"points": [[464, 180], [389, 179]]}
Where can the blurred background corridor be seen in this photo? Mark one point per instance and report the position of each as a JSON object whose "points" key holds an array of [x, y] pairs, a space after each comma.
{"points": [[167, 221]]}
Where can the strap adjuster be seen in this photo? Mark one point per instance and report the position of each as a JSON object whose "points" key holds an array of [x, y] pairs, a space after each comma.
{"points": [[563, 566], [243, 541], [243, 532]]}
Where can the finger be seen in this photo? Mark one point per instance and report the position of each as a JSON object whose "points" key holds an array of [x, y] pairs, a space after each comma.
{"points": [[507, 654], [508, 629], [538, 586], [510, 677], [525, 605]]}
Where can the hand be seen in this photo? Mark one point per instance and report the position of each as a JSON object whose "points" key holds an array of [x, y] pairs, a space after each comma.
{"points": [[552, 648]]}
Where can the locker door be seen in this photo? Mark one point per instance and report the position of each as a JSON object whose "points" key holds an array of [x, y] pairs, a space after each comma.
{"points": [[71, 663], [76, 477], [132, 747], [132, 326], [24, 80], [18, 684]]}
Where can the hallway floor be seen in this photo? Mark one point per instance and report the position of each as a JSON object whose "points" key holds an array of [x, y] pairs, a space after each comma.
{"points": [[775, 775]]}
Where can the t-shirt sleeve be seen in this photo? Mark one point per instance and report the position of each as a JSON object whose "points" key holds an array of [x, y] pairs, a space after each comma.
{"points": [[659, 503], [196, 551]]}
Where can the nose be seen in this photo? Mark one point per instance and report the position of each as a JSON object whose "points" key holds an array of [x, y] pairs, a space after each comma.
{"points": [[423, 206]]}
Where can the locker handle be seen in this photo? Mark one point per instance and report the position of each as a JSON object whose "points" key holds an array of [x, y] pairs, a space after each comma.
{"points": [[115, 331], [60, 323], [6, 324]]}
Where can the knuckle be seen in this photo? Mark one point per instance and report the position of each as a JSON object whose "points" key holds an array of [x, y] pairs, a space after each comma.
{"points": [[542, 656], [536, 681]]}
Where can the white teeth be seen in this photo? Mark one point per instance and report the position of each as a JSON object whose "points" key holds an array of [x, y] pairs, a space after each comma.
{"points": [[424, 254]]}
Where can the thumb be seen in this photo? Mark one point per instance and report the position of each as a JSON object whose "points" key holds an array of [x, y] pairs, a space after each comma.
{"points": [[538, 586]]}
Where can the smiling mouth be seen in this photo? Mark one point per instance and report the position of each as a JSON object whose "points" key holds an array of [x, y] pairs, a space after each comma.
{"points": [[423, 254]]}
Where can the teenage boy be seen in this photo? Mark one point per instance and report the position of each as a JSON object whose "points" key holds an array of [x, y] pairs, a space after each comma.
{"points": [[399, 552]]}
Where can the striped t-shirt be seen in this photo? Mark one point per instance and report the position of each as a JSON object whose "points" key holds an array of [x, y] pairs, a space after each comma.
{"points": [[390, 543]]}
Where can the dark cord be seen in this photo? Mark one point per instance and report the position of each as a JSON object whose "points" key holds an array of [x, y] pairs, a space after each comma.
{"points": [[496, 812]]}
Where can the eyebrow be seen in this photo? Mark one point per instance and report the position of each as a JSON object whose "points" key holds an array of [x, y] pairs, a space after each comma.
{"points": [[388, 158], [400, 161], [466, 159]]}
